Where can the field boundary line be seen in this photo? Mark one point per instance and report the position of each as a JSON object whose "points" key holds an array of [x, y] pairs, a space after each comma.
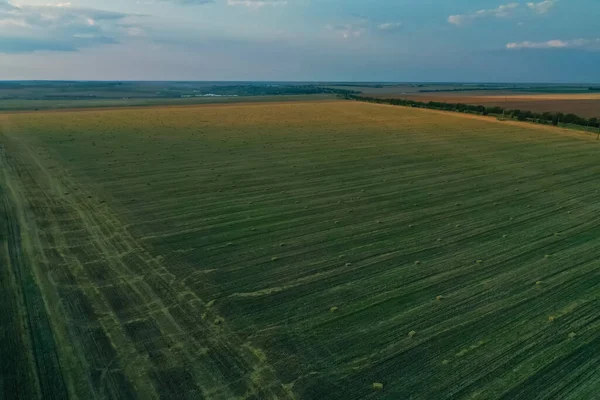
{"points": [[556, 129]]}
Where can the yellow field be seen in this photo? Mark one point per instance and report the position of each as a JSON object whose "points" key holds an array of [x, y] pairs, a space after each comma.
{"points": [[547, 96]]}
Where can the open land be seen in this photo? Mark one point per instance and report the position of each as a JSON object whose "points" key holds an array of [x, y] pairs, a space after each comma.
{"points": [[338, 250], [50, 95], [68, 104]]}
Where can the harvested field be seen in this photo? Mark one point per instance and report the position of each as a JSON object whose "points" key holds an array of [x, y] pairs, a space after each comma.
{"points": [[584, 105], [338, 250]]}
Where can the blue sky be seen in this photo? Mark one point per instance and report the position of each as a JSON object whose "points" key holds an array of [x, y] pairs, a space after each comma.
{"points": [[341, 40]]}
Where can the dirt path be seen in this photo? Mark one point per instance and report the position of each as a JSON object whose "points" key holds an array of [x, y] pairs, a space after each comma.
{"points": [[30, 362]]}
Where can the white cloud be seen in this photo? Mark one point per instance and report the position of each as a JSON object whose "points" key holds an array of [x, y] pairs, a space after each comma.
{"points": [[456, 19], [256, 3], [557, 44], [244, 3], [13, 22], [502, 11], [348, 31], [389, 26], [189, 2], [542, 7], [360, 27]]}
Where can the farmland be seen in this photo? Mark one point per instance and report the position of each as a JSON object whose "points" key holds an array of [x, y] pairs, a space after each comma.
{"points": [[307, 250], [52, 95], [17, 105]]}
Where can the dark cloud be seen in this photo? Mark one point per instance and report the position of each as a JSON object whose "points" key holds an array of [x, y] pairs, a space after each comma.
{"points": [[61, 27], [5, 5]]}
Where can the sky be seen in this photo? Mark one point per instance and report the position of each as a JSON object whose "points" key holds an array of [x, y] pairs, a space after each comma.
{"points": [[550, 41]]}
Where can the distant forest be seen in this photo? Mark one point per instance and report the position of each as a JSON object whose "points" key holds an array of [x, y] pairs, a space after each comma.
{"points": [[154, 90]]}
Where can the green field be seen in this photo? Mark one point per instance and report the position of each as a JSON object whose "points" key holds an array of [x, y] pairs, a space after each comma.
{"points": [[37, 105], [337, 250]]}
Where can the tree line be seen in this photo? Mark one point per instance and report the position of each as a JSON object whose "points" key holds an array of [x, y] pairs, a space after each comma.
{"points": [[275, 90], [554, 118]]}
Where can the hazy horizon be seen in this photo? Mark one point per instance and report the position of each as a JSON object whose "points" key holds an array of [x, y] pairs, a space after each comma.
{"points": [[309, 82]]}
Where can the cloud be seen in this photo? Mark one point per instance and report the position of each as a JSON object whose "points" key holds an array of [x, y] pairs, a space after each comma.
{"points": [[348, 31], [256, 3], [361, 26], [244, 3], [5, 5], [504, 10], [389, 26], [60, 27], [457, 19], [542, 7], [557, 44], [189, 2]]}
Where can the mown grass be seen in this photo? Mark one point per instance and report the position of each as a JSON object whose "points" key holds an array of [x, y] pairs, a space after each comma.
{"points": [[318, 250]]}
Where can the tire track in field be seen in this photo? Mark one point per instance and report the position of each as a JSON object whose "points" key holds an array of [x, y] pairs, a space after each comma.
{"points": [[38, 369]]}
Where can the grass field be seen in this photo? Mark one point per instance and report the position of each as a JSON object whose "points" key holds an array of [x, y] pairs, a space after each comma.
{"points": [[29, 105], [338, 250]]}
